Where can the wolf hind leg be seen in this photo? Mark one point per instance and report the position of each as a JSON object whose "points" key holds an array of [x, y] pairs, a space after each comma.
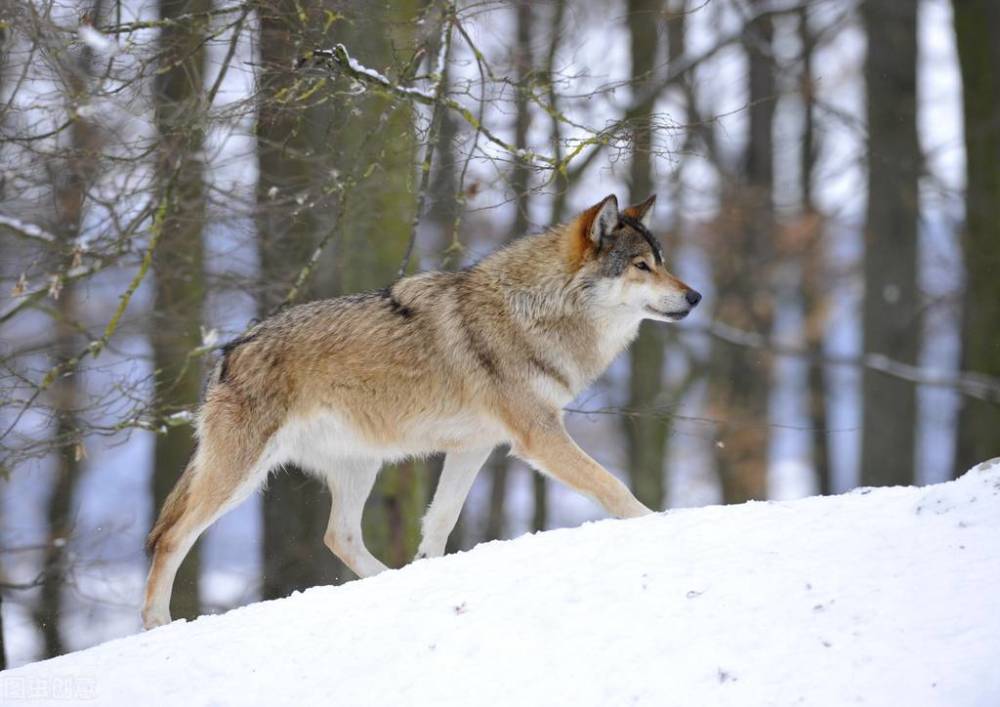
{"points": [[460, 469], [209, 486], [350, 484]]}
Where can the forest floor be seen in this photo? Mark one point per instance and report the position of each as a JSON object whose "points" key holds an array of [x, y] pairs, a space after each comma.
{"points": [[879, 596]]}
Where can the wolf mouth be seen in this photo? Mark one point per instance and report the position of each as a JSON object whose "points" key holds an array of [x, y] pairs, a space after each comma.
{"points": [[676, 316]]}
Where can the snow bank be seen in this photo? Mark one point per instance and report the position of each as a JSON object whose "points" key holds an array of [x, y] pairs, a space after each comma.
{"points": [[880, 596]]}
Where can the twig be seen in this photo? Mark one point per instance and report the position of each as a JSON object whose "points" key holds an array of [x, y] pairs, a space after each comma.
{"points": [[27, 230], [972, 385], [350, 66], [173, 21], [95, 347], [230, 52], [455, 246]]}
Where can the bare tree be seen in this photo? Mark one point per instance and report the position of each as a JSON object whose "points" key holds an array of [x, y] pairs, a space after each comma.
{"points": [[976, 25], [71, 178], [892, 299], [808, 240], [647, 436], [178, 266], [743, 260]]}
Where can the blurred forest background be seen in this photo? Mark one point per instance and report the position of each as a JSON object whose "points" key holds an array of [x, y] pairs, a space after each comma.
{"points": [[828, 174]]}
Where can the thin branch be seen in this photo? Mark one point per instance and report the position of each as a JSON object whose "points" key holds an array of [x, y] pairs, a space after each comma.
{"points": [[173, 21], [370, 77], [28, 299], [972, 385], [230, 52], [95, 347], [27, 230], [455, 246]]}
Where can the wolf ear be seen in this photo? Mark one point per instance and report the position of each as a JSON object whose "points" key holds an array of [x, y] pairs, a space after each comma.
{"points": [[601, 219], [643, 213]]}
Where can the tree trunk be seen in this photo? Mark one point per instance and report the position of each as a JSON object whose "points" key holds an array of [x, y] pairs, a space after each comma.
{"points": [[743, 259], [977, 23], [445, 201], [891, 318], [179, 99], [646, 434], [67, 402], [496, 513], [70, 181], [814, 291], [296, 506]]}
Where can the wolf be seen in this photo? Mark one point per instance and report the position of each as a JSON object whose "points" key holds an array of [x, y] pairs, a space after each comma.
{"points": [[453, 362]]}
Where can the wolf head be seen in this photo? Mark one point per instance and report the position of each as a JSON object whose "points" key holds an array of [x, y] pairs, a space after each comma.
{"points": [[617, 253]]}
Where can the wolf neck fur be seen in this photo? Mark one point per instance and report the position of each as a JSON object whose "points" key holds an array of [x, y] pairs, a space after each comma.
{"points": [[557, 303]]}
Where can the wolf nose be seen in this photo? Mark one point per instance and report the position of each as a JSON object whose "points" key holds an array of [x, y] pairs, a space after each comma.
{"points": [[692, 297]]}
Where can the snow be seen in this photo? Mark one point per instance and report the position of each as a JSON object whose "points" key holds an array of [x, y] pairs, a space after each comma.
{"points": [[340, 54], [879, 596], [97, 41], [28, 229]]}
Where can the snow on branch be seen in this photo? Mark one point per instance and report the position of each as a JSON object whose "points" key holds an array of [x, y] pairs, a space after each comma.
{"points": [[28, 230], [359, 71], [339, 56]]}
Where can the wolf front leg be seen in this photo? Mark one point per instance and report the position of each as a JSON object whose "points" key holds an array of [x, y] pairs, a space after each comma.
{"points": [[541, 440]]}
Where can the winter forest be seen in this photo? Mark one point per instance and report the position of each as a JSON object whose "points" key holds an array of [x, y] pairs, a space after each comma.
{"points": [[171, 171]]}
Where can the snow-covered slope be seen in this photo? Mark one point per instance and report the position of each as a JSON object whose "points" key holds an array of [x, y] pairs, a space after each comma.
{"points": [[880, 597]]}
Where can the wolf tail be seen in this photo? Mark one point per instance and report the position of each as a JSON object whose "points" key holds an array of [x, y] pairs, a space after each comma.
{"points": [[173, 507]]}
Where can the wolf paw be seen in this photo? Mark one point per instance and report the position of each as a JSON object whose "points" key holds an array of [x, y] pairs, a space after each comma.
{"points": [[151, 618]]}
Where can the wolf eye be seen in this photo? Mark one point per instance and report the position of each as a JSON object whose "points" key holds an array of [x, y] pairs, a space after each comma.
{"points": [[642, 265]]}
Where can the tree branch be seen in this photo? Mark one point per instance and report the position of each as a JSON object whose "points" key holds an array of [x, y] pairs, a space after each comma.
{"points": [[370, 77], [972, 385]]}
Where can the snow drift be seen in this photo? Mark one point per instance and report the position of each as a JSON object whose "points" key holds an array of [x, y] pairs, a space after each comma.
{"points": [[880, 596]]}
